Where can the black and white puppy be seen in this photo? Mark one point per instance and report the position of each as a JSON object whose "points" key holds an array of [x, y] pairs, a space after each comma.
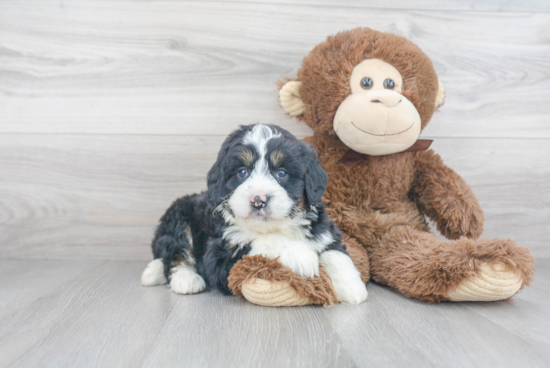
{"points": [[263, 197]]}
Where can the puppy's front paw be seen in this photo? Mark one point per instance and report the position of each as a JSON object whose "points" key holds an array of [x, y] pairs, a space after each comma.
{"points": [[305, 264], [352, 293], [186, 281], [345, 278]]}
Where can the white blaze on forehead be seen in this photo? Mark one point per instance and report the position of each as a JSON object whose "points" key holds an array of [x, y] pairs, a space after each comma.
{"points": [[259, 136]]}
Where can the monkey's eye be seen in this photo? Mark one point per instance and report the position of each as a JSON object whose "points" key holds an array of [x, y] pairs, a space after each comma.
{"points": [[281, 174], [389, 83], [366, 83], [243, 173]]}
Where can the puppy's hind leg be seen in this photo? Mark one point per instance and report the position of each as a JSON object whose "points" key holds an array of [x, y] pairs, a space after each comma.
{"points": [[173, 244], [179, 264], [153, 274]]}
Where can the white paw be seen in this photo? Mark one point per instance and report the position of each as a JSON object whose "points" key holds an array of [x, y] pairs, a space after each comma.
{"points": [[153, 274], [345, 278], [184, 280], [305, 264], [352, 293]]}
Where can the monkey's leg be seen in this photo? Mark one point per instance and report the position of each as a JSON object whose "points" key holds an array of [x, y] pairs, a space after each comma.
{"points": [[419, 265], [266, 282]]}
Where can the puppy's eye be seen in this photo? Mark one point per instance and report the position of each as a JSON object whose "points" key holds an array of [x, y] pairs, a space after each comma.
{"points": [[389, 84], [243, 173], [366, 83], [281, 174]]}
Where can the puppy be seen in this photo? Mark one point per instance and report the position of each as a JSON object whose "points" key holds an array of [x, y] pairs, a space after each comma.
{"points": [[263, 197]]}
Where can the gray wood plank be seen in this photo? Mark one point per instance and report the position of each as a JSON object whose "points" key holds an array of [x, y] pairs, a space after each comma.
{"points": [[103, 317], [26, 282], [74, 196], [472, 5], [396, 331], [174, 67]]}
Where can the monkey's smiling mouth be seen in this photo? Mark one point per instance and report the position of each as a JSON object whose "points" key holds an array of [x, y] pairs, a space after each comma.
{"points": [[383, 135]]}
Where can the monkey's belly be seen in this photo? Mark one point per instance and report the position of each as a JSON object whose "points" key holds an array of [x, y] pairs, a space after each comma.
{"points": [[373, 222]]}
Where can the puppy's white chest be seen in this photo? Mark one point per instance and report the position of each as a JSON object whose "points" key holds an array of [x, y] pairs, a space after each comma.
{"points": [[298, 255], [273, 245]]}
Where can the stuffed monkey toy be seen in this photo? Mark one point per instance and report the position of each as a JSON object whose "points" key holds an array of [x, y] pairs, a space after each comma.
{"points": [[367, 95]]}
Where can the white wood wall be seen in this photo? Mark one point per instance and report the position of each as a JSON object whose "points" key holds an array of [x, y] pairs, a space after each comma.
{"points": [[109, 110]]}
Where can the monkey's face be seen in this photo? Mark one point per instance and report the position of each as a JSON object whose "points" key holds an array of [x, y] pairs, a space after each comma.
{"points": [[376, 119], [376, 91]]}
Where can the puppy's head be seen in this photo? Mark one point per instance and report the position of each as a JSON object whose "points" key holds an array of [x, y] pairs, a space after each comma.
{"points": [[264, 173]]}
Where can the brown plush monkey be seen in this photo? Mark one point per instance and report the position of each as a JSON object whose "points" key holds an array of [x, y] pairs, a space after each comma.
{"points": [[367, 95]]}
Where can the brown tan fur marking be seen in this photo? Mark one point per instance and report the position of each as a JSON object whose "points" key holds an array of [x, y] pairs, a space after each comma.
{"points": [[276, 157], [247, 156]]}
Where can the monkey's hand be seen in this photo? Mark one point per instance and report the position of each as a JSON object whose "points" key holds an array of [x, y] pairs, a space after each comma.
{"points": [[460, 215], [446, 198]]}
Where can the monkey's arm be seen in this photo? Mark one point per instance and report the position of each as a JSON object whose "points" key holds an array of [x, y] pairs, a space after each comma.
{"points": [[446, 198]]}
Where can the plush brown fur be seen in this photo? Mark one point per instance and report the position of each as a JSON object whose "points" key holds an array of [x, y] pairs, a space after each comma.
{"points": [[381, 202], [326, 71], [319, 289], [427, 269]]}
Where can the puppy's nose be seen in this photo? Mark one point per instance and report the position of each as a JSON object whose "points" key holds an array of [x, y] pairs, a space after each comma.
{"points": [[259, 201]]}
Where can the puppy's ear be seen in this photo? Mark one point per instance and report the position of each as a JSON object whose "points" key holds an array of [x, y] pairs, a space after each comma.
{"points": [[215, 178], [316, 178], [215, 184]]}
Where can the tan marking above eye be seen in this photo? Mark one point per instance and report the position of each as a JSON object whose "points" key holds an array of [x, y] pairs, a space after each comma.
{"points": [[247, 156], [276, 157]]}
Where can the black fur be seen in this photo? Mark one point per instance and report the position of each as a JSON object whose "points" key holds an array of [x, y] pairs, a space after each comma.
{"points": [[213, 258], [316, 179]]}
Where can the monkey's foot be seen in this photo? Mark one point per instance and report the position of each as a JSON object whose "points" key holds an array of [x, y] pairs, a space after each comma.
{"points": [[274, 294], [492, 282], [267, 282]]}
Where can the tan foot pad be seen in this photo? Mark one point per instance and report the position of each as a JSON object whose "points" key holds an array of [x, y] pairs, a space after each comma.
{"points": [[491, 283], [273, 294]]}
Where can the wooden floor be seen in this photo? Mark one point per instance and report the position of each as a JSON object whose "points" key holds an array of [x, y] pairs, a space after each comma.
{"points": [[91, 313]]}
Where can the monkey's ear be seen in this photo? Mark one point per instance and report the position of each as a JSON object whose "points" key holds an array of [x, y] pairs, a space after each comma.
{"points": [[290, 98], [440, 95]]}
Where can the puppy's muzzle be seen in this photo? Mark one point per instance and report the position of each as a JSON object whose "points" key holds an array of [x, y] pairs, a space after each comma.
{"points": [[259, 202]]}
